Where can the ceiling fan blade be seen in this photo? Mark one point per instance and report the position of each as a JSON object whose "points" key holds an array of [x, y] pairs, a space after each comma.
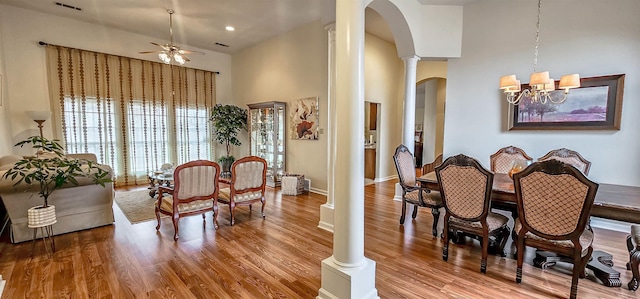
{"points": [[190, 52], [149, 52], [164, 47], [186, 58]]}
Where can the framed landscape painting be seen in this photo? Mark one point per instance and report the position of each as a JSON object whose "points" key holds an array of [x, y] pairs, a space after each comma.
{"points": [[596, 105]]}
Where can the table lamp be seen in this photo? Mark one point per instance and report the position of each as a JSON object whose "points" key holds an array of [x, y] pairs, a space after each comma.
{"points": [[39, 117]]}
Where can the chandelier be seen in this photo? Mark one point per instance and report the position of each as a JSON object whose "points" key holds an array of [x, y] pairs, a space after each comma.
{"points": [[540, 85]]}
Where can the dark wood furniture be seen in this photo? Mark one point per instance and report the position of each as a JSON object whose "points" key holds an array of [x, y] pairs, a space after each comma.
{"points": [[429, 167], [554, 201], [466, 195], [412, 193], [417, 152], [370, 162], [570, 157], [502, 160], [614, 202], [247, 186], [194, 192], [633, 244]]}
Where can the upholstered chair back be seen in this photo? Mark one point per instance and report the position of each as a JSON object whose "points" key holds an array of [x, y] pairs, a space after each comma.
{"points": [[249, 178], [502, 161], [554, 199], [465, 187], [196, 179], [403, 159], [570, 157]]}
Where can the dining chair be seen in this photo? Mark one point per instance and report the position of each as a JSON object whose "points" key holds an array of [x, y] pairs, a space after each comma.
{"points": [[633, 244], [247, 186], [503, 160], [194, 192], [554, 202], [429, 167], [570, 157], [412, 192], [465, 187]]}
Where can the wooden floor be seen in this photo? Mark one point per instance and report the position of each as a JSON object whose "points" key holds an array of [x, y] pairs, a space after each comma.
{"points": [[279, 257]]}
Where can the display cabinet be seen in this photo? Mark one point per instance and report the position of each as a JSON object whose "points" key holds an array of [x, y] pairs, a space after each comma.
{"points": [[267, 137]]}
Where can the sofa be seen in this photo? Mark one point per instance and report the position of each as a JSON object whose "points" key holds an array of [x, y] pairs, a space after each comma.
{"points": [[83, 206]]}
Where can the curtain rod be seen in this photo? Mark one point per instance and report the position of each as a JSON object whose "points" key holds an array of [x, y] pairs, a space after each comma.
{"points": [[42, 43]]}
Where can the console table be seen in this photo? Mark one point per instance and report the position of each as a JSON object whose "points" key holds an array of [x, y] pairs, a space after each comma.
{"points": [[614, 202]]}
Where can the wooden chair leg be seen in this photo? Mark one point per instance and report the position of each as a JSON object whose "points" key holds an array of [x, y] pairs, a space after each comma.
{"points": [[415, 212], [231, 208], [158, 217], [175, 219], [262, 210], [485, 250], [215, 216], [445, 248], [520, 259], [404, 209], [436, 217]]}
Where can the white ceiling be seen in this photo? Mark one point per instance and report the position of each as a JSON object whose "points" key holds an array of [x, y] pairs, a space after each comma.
{"points": [[201, 23]]}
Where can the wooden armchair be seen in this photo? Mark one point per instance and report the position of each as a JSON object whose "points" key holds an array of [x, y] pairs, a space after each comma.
{"points": [[248, 182], [554, 203], [194, 192], [503, 159], [466, 193], [412, 193], [570, 157]]}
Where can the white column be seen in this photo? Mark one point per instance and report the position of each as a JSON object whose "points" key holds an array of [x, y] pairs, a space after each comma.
{"points": [[409, 117], [348, 274], [326, 210]]}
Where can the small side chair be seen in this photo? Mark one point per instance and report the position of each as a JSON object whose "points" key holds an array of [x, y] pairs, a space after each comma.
{"points": [[413, 193], [194, 192], [248, 182], [465, 187]]}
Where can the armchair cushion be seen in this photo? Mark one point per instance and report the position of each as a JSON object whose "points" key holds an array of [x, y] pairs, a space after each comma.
{"points": [[494, 221], [225, 195], [432, 198], [586, 239], [196, 205]]}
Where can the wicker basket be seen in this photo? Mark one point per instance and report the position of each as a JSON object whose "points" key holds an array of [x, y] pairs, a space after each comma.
{"points": [[292, 184], [39, 216]]}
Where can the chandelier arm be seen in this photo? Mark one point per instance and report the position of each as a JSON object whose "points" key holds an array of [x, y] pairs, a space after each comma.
{"points": [[564, 98]]}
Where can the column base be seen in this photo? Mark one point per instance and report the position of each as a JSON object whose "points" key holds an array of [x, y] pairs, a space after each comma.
{"points": [[346, 283], [326, 217], [398, 195]]}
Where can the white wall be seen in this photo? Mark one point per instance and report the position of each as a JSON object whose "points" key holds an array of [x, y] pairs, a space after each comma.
{"points": [[590, 37], [25, 75], [288, 67], [5, 122], [383, 80]]}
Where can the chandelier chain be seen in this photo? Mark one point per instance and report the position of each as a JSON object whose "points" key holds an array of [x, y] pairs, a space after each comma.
{"points": [[535, 51]]}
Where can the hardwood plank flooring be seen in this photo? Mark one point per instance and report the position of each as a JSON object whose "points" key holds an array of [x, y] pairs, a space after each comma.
{"points": [[280, 257]]}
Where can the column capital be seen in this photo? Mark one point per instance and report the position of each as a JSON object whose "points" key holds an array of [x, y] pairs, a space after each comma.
{"points": [[330, 27], [411, 58]]}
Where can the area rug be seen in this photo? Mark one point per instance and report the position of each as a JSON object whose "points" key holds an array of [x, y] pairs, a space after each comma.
{"points": [[136, 205]]}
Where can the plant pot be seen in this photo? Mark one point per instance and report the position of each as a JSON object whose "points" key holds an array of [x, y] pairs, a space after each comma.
{"points": [[41, 216]]}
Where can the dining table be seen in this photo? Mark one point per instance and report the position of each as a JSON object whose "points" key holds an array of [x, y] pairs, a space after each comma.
{"points": [[615, 202]]}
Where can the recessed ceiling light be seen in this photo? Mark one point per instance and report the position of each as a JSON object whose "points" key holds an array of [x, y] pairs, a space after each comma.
{"points": [[229, 28]]}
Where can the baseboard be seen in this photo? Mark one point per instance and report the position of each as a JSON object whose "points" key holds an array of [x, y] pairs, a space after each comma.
{"points": [[609, 224], [389, 178], [318, 191]]}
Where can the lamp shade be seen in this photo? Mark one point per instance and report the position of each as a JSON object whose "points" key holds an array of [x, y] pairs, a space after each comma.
{"points": [[550, 86], [569, 81], [39, 115], [508, 82], [539, 78]]}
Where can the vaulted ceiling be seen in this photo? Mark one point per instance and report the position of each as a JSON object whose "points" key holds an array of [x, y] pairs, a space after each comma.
{"points": [[201, 23]]}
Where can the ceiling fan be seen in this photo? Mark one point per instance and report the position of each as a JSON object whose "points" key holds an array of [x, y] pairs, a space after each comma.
{"points": [[171, 52]]}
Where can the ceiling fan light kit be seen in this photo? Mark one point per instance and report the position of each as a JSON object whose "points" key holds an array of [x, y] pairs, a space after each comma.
{"points": [[170, 52]]}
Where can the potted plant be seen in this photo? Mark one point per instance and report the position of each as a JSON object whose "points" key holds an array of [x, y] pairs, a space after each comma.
{"points": [[227, 121], [49, 170]]}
